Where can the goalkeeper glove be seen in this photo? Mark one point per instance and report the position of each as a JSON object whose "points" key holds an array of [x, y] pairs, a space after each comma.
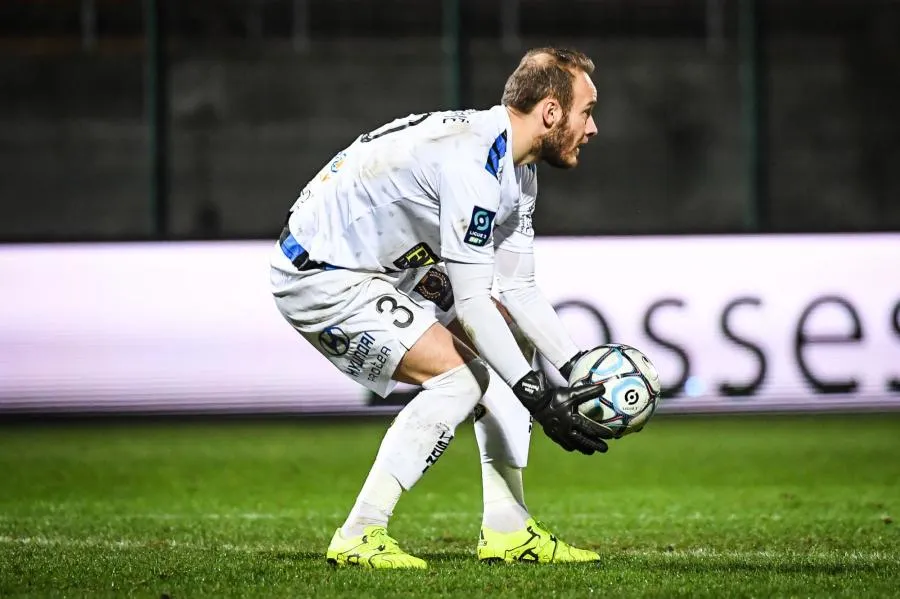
{"points": [[566, 370], [556, 410]]}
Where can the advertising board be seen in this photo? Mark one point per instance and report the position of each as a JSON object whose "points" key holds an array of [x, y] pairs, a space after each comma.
{"points": [[740, 323]]}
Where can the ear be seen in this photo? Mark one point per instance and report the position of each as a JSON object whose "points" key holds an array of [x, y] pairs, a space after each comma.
{"points": [[551, 112]]}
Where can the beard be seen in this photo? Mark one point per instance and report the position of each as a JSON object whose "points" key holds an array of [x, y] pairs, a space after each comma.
{"points": [[557, 147]]}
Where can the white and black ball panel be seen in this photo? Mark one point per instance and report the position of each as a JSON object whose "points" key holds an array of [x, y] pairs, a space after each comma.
{"points": [[645, 367], [599, 364], [638, 420]]}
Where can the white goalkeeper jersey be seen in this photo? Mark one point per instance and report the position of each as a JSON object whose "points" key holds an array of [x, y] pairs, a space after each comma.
{"points": [[424, 188]]}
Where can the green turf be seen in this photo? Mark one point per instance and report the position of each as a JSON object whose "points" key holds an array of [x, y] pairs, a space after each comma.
{"points": [[718, 507]]}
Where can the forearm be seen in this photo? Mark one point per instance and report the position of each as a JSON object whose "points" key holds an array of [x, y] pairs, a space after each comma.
{"points": [[483, 323], [539, 321], [531, 311]]}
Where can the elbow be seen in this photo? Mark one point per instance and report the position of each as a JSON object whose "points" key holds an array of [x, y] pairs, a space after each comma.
{"points": [[467, 306]]}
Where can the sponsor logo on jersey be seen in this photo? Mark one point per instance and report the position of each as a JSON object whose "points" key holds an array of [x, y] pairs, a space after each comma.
{"points": [[435, 287], [417, 256], [334, 341], [365, 358], [378, 363], [360, 353], [480, 226]]}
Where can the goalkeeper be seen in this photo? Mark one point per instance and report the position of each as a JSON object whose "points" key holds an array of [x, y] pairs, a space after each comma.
{"points": [[386, 266]]}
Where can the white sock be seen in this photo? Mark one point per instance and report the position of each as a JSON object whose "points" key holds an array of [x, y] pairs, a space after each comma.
{"points": [[504, 497], [375, 503], [503, 432], [502, 426], [419, 435]]}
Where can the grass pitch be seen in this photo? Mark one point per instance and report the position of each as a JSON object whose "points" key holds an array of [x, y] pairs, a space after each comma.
{"points": [[718, 507]]}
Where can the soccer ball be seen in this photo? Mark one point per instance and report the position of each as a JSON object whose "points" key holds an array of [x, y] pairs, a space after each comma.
{"points": [[632, 387]]}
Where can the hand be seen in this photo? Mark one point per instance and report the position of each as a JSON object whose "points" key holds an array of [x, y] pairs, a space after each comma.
{"points": [[556, 410]]}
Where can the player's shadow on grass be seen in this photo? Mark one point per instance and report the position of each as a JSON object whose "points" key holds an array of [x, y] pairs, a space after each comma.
{"points": [[448, 558], [440, 556], [455, 558]]}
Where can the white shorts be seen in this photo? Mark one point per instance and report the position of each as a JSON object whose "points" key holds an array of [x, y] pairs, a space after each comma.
{"points": [[363, 322]]}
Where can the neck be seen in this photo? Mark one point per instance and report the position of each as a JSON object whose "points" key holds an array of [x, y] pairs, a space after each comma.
{"points": [[523, 138]]}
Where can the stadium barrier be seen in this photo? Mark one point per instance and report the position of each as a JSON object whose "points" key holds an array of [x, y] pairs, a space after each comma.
{"points": [[738, 323]]}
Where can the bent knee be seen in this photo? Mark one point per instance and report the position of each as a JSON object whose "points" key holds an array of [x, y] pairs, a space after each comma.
{"points": [[480, 374], [467, 382]]}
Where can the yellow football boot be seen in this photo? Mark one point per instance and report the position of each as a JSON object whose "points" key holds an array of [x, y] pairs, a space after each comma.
{"points": [[534, 543], [372, 549]]}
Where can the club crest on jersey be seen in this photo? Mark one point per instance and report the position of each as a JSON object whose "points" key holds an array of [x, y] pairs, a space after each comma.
{"points": [[334, 166], [435, 287], [480, 226]]}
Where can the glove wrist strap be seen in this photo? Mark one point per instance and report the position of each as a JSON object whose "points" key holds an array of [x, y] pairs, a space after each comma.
{"points": [[530, 390]]}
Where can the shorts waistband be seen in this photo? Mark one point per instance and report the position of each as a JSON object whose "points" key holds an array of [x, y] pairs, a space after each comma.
{"points": [[298, 255]]}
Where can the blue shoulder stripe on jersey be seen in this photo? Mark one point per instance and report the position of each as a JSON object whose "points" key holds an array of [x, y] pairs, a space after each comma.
{"points": [[495, 154]]}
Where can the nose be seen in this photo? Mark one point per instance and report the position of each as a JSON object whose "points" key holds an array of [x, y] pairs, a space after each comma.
{"points": [[591, 128]]}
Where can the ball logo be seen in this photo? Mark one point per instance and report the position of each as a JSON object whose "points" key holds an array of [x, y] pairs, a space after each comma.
{"points": [[334, 341], [631, 397]]}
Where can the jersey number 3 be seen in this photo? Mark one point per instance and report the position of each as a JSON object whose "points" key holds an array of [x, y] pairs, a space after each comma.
{"points": [[388, 303]]}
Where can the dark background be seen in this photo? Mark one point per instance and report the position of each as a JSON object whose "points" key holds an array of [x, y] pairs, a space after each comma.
{"points": [[122, 119]]}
